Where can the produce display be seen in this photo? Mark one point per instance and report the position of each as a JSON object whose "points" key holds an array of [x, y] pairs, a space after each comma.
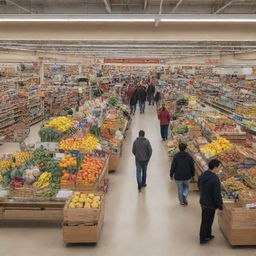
{"points": [[90, 170], [232, 156], [89, 143], [215, 147], [61, 124], [234, 185], [84, 200], [250, 177]]}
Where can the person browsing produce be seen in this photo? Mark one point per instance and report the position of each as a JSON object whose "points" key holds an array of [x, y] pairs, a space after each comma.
{"points": [[210, 199]]}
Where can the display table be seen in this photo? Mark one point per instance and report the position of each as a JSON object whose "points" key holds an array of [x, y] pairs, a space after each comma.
{"points": [[31, 210], [238, 224]]}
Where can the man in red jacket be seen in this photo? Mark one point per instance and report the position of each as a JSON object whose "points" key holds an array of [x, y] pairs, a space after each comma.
{"points": [[164, 118]]}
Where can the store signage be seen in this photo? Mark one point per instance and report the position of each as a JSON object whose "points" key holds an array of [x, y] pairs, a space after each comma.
{"points": [[213, 61], [254, 71], [133, 61], [187, 67]]}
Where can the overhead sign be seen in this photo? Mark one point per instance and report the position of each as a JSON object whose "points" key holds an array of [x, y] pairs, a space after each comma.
{"points": [[213, 61], [133, 61]]}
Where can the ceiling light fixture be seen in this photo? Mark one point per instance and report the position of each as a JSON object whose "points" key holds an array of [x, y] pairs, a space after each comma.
{"points": [[174, 20]]}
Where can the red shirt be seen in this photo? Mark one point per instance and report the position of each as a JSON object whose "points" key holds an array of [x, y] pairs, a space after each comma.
{"points": [[164, 117]]}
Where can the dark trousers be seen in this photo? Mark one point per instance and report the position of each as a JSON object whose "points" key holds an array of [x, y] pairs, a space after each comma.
{"points": [[164, 131], [141, 173], [206, 223]]}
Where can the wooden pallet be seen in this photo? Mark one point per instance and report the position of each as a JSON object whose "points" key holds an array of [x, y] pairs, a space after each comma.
{"points": [[29, 210]]}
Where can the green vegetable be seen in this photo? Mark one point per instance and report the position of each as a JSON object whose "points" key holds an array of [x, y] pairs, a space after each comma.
{"points": [[50, 135], [95, 131]]}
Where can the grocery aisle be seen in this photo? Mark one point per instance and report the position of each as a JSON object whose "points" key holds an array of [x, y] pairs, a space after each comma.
{"points": [[148, 223]]}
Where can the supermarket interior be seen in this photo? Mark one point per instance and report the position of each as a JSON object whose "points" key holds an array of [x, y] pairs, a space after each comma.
{"points": [[80, 80]]}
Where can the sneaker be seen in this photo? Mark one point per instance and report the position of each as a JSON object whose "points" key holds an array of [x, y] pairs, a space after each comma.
{"points": [[144, 185], [210, 237], [139, 188], [182, 204], [185, 200]]}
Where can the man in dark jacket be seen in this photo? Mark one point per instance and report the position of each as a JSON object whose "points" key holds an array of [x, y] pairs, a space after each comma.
{"points": [[150, 93], [142, 97], [210, 199], [142, 150], [182, 170], [133, 103]]}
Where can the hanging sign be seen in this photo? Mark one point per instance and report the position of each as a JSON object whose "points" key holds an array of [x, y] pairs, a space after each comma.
{"points": [[133, 61]]}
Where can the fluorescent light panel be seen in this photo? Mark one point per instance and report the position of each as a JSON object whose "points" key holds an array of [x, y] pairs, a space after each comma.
{"points": [[121, 20]]}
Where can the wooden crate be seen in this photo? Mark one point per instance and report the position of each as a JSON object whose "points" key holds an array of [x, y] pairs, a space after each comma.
{"points": [[83, 215], [238, 224], [83, 233], [113, 162], [193, 186], [25, 210], [98, 184], [244, 200]]}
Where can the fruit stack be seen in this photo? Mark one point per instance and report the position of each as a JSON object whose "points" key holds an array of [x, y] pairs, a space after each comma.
{"points": [[83, 217], [69, 170], [88, 143], [215, 147], [90, 170]]}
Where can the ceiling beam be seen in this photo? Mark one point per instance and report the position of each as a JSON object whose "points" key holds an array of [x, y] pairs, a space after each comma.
{"points": [[107, 5], [161, 7], [225, 6], [145, 4], [19, 6], [176, 6]]}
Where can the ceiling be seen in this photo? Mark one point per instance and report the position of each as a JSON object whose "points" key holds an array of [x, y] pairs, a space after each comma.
{"points": [[143, 49], [127, 6]]}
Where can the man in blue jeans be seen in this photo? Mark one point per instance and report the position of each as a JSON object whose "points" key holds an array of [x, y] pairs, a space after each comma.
{"points": [[142, 151], [182, 170]]}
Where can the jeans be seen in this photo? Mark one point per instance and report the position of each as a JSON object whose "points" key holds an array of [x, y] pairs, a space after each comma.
{"points": [[183, 188], [142, 107], [164, 131], [206, 223], [141, 173], [133, 108]]}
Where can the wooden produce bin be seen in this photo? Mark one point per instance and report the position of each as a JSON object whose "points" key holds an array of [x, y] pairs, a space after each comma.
{"points": [[32, 210], [100, 184], [83, 225], [113, 162], [238, 224]]}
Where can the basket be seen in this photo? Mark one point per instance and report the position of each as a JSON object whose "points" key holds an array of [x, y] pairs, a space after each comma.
{"points": [[23, 192]]}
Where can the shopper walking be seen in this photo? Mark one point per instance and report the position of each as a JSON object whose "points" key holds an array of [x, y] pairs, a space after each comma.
{"points": [[210, 199], [164, 118], [142, 97], [157, 99], [142, 151], [182, 170], [133, 103], [150, 93]]}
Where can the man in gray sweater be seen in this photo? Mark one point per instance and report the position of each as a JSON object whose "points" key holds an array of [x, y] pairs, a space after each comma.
{"points": [[142, 151]]}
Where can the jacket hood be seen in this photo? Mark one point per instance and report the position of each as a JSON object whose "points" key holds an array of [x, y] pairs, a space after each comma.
{"points": [[207, 175], [182, 155]]}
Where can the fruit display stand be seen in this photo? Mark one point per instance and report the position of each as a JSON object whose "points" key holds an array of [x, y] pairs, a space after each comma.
{"points": [[238, 224], [83, 225]]}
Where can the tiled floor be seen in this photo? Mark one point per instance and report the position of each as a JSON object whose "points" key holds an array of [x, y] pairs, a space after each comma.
{"points": [[150, 223]]}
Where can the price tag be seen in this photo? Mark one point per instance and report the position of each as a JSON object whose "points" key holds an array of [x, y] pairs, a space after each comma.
{"points": [[64, 193]]}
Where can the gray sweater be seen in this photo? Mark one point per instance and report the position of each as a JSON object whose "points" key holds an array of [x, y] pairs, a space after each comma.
{"points": [[142, 149]]}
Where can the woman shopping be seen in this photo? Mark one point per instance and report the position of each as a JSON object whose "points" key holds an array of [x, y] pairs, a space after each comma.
{"points": [[164, 118]]}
